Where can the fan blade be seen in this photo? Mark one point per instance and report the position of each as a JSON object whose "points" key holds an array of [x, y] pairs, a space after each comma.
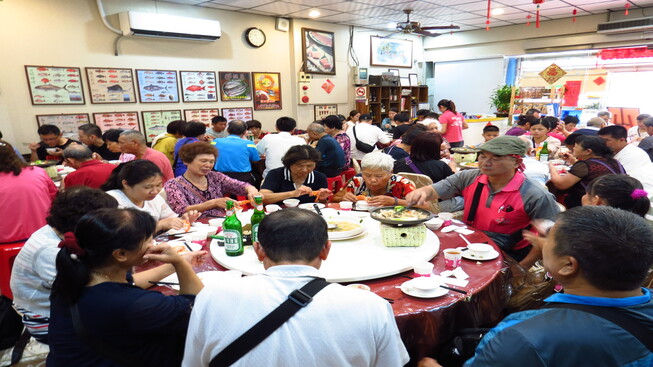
{"points": [[443, 27], [426, 33], [391, 34]]}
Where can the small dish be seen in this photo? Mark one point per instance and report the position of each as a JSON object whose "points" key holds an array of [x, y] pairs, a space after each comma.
{"points": [[362, 287], [434, 223], [309, 206], [408, 288], [291, 203], [491, 256]]}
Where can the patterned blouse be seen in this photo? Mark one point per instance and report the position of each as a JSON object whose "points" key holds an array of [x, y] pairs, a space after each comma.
{"points": [[345, 144], [398, 186], [181, 193]]}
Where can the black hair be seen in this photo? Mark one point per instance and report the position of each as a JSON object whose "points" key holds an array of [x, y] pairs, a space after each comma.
{"points": [[616, 191], [332, 122], [254, 123], [552, 121], [72, 204], [639, 117], [194, 129], [613, 247], [409, 136], [99, 233], [526, 119], [393, 109], [571, 139], [352, 113], [423, 113], [298, 153], [293, 235], [489, 128], [433, 115], [448, 104], [402, 117], [569, 119], [541, 122], [134, 172], [217, 119], [426, 147], [48, 129], [176, 127], [237, 127], [90, 129], [614, 131], [112, 135], [533, 111], [596, 144], [648, 122], [285, 123]]}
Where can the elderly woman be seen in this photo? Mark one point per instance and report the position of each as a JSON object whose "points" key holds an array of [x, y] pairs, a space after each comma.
{"points": [[254, 129], [297, 178], [110, 137], [201, 189], [377, 183]]}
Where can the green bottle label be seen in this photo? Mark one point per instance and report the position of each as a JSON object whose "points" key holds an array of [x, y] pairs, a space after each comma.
{"points": [[233, 242], [255, 233]]}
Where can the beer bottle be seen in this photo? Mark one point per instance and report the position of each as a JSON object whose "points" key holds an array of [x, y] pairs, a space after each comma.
{"points": [[257, 217], [233, 232], [544, 152]]}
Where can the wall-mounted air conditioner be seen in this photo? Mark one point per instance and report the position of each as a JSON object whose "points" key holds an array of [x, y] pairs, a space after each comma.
{"points": [[626, 26], [168, 26]]}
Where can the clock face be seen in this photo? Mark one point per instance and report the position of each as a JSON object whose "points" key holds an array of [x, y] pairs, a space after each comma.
{"points": [[255, 37]]}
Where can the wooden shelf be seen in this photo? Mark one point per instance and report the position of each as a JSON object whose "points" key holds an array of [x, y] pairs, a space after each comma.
{"points": [[388, 97]]}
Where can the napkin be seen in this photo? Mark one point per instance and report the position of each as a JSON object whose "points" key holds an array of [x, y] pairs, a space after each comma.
{"points": [[451, 228], [452, 281], [464, 231]]}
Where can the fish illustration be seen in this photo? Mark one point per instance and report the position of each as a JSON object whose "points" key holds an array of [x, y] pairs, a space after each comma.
{"points": [[107, 120], [131, 119], [39, 100], [50, 87], [114, 88], [118, 115], [100, 76], [114, 81], [149, 95], [160, 73], [111, 71], [201, 82], [72, 74], [113, 76], [131, 124], [151, 135], [71, 70], [73, 80], [162, 95], [152, 88], [44, 74], [45, 80], [101, 81], [39, 96], [194, 88], [41, 69]]}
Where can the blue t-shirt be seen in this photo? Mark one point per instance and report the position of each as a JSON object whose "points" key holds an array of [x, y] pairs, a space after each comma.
{"points": [[235, 154], [331, 152]]}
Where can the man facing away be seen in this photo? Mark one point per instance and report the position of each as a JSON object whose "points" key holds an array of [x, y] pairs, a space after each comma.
{"points": [[601, 256], [340, 327], [91, 136], [133, 142], [274, 146], [236, 154], [165, 143], [333, 157], [89, 172]]}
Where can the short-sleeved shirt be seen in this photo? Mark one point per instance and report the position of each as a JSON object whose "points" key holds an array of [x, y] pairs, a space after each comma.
{"points": [[157, 207], [331, 152], [647, 145], [398, 131], [274, 147], [454, 124], [166, 145], [345, 144], [366, 133], [217, 135], [90, 173], [396, 152], [634, 133], [104, 152], [280, 180], [235, 154], [632, 158], [501, 214], [437, 170], [397, 187], [179, 167], [161, 161], [43, 155], [515, 131], [587, 170]]}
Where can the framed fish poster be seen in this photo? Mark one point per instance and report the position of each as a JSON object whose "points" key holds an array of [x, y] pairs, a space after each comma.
{"points": [[117, 120], [157, 86], [111, 85], [324, 110], [55, 85], [156, 122], [242, 113], [235, 86], [318, 52], [198, 86], [68, 124], [203, 116], [267, 91]]}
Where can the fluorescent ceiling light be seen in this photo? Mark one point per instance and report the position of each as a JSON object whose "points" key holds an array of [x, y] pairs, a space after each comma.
{"points": [[391, 26], [497, 11], [314, 14]]}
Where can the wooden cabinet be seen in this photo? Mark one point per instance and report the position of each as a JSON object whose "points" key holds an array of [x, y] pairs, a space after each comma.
{"points": [[523, 99], [380, 99]]}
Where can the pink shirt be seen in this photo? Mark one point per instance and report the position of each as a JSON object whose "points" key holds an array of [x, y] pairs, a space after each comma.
{"points": [[25, 201], [454, 124], [161, 161]]}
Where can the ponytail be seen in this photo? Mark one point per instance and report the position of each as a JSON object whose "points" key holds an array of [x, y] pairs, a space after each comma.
{"points": [[621, 192], [448, 104]]}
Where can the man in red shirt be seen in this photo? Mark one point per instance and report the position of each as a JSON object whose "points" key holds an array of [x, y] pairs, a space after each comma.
{"points": [[89, 172], [133, 142]]}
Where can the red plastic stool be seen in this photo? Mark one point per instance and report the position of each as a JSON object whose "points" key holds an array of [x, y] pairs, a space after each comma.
{"points": [[7, 256], [335, 183], [348, 174]]}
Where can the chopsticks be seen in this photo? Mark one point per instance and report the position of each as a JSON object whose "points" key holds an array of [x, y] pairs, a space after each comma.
{"points": [[163, 283], [188, 246], [453, 289], [390, 300]]}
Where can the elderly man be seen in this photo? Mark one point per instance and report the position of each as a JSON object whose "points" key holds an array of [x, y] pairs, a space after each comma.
{"points": [[333, 157], [236, 154], [275, 146], [51, 145], [605, 116], [89, 172], [218, 128], [133, 142], [91, 136], [646, 144], [638, 132], [601, 256], [352, 328], [499, 199]]}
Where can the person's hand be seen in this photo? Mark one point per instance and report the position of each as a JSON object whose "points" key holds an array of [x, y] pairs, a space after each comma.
{"points": [[34, 146], [58, 152], [420, 196], [349, 196], [190, 216], [96, 157], [173, 223], [534, 239], [302, 190], [163, 253], [569, 158], [381, 200], [323, 194], [251, 193], [221, 202], [195, 258], [428, 362]]}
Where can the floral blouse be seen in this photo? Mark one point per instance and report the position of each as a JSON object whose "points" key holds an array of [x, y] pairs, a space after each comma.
{"points": [[345, 144], [181, 193], [398, 186]]}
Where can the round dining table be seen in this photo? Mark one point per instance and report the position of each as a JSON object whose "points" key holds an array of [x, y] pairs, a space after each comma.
{"points": [[425, 324]]}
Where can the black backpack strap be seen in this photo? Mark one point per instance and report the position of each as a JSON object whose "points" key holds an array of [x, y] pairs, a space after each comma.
{"points": [[353, 129], [475, 201], [618, 316], [298, 299]]}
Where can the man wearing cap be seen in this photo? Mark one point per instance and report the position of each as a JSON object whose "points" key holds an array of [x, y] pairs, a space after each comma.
{"points": [[367, 133], [499, 199]]}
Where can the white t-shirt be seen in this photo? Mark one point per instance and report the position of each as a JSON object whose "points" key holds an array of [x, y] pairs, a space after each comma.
{"points": [[632, 158], [634, 134], [366, 133], [275, 146], [157, 207], [340, 327]]}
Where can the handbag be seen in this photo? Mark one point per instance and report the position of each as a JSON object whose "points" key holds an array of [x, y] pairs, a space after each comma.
{"points": [[412, 165], [362, 146]]}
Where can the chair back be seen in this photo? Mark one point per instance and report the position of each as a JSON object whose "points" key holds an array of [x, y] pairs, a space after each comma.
{"points": [[357, 167], [8, 253], [420, 181]]}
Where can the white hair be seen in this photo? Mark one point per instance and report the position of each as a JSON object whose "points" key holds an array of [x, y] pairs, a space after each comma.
{"points": [[378, 160]]}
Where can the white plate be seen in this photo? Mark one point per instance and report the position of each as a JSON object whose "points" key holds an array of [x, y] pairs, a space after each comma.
{"points": [[207, 277], [309, 206], [469, 256], [409, 290], [349, 237], [182, 249]]}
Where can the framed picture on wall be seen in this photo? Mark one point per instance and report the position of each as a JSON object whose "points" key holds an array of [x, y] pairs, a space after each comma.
{"points": [[67, 123], [391, 52], [323, 110], [111, 85], [203, 116], [413, 80], [157, 86], [318, 51], [156, 122], [235, 86], [267, 91], [117, 120], [242, 113], [55, 85], [198, 86]]}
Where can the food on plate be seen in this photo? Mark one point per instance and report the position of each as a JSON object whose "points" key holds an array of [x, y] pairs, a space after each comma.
{"points": [[362, 197], [408, 214], [186, 226], [470, 164], [343, 226]]}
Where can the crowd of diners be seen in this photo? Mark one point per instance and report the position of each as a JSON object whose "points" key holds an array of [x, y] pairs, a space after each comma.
{"points": [[74, 284]]}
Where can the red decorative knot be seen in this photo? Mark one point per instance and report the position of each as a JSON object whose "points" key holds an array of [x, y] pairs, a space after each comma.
{"points": [[538, 2], [627, 6], [574, 13]]}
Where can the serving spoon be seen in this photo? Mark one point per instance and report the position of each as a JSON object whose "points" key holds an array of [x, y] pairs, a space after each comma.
{"points": [[318, 211]]}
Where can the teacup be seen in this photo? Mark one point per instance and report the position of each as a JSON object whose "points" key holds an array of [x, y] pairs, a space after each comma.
{"points": [[425, 284], [216, 222], [346, 205], [362, 205], [479, 250], [291, 203], [272, 208]]}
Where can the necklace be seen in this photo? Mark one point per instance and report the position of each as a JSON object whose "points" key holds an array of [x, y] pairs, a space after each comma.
{"points": [[102, 275], [199, 185]]}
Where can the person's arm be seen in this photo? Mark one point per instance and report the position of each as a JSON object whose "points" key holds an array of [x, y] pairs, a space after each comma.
{"points": [[143, 278], [562, 182], [465, 126], [443, 126], [189, 283], [270, 197]]}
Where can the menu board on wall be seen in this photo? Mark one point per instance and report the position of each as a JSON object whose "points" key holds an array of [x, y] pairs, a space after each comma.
{"points": [[324, 110], [267, 91], [157, 86], [68, 124], [235, 86], [198, 86], [55, 85], [111, 85], [203, 116], [156, 122], [243, 113], [117, 120]]}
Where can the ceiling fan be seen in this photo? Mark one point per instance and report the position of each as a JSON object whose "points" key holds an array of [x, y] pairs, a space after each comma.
{"points": [[414, 27]]}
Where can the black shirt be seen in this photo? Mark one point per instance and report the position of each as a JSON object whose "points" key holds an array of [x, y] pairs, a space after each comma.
{"points": [[104, 152], [435, 169], [279, 180], [398, 131], [395, 152], [43, 155]]}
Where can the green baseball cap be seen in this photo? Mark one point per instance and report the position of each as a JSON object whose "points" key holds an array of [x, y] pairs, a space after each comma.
{"points": [[505, 145]]}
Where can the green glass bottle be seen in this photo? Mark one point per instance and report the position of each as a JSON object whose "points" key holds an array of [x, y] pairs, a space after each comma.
{"points": [[233, 232], [544, 152], [257, 217]]}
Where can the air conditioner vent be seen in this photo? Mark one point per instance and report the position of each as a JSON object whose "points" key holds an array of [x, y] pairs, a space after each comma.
{"points": [[626, 26]]}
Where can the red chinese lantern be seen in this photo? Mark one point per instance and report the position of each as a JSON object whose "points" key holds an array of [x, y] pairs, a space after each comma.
{"points": [[627, 7], [528, 20], [487, 20], [537, 13], [574, 13]]}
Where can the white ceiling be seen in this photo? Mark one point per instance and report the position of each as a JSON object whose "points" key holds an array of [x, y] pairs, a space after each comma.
{"points": [[376, 14]]}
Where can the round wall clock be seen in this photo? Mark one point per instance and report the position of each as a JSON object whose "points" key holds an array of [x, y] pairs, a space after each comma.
{"points": [[255, 37]]}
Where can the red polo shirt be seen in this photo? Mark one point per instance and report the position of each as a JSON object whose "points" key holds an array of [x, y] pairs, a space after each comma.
{"points": [[92, 173]]}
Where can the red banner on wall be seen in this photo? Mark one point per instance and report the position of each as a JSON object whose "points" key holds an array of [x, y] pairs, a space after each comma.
{"points": [[625, 53], [572, 91]]}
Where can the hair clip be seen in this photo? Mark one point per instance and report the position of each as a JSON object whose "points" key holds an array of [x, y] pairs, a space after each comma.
{"points": [[638, 193], [74, 257]]}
